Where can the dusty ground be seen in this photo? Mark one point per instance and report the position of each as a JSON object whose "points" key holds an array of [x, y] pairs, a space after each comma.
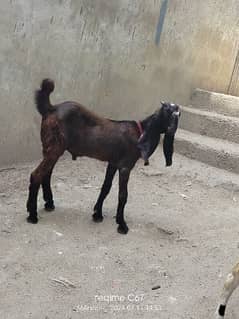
{"points": [[184, 235]]}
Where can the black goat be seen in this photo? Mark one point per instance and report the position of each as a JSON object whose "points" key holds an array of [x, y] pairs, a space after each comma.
{"points": [[69, 126]]}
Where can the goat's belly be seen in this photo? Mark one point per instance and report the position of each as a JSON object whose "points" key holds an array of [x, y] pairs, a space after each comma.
{"points": [[108, 149], [102, 156]]}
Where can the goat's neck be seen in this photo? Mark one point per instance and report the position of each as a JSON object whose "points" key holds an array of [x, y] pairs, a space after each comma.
{"points": [[152, 123]]}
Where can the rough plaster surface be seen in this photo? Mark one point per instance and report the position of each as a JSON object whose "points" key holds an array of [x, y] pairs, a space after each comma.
{"points": [[210, 130], [216, 152], [210, 124], [211, 101], [183, 237], [103, 54]]}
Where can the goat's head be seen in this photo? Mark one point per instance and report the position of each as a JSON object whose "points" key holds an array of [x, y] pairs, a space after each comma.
{"points": [[170, 114], [163, 121]]}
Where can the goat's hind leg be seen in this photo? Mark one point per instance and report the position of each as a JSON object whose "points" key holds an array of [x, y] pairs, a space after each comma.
{"points": [[37, 177], [110, 173], [32, 199], [47, 193]]}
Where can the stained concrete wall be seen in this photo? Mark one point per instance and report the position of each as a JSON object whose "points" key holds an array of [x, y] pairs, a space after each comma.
{"points": [[119, 57]]}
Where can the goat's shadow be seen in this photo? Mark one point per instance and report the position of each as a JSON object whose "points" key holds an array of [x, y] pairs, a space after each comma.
{"points": [[73, 216], [63, 216]]}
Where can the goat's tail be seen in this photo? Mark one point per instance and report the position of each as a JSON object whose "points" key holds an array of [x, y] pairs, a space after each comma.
{"points": [[42, 99]]}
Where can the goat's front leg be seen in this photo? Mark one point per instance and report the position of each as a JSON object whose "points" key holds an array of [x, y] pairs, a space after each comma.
{"points": [[47, 192], [36, 179], [110, 173], [123, 195]]}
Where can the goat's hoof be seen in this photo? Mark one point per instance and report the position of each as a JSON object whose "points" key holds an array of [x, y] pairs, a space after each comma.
{"points": [[97, 218], [32, 219], [123, 229], [49, 207]]}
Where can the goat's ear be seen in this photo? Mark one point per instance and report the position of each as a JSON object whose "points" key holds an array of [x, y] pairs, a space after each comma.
{"points": [[147, 145], [165, 107], [164, 104], [168, 148], [144, 147]]}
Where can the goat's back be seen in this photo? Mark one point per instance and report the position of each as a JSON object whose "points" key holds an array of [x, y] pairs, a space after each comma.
{"points": [[87, 134]]}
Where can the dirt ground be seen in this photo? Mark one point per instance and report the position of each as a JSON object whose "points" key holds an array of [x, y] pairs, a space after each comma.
{"points": [[183, 238]]}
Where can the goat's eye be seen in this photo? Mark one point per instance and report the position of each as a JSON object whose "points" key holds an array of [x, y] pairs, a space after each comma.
{"points": [[167, 109]]}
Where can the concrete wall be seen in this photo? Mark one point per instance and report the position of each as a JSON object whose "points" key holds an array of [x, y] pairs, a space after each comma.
{"points": [[119, 57]]}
